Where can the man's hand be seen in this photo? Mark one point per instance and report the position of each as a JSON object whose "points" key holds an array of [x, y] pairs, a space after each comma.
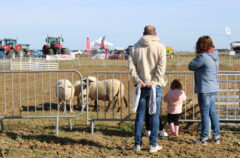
{"points": [[147, 84], [142, 84], [150, 84]]}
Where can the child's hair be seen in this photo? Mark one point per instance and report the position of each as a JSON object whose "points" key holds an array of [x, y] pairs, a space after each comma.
{"points": [[176, 84]]}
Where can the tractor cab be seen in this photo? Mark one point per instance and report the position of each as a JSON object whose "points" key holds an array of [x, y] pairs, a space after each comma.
{"points": [[54, 40], [10, 42]]}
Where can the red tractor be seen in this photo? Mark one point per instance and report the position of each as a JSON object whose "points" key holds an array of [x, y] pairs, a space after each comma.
{"points": [[10, 47], [54, 46]]}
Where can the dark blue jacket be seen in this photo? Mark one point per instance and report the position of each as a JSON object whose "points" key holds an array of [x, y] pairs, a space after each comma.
{"points": [[205, 67]]}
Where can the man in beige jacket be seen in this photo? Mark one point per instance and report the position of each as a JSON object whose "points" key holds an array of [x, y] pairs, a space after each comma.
{"points": [[147, 64]]}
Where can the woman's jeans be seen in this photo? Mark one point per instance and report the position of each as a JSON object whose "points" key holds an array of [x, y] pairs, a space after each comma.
{"points": [[208, 110], [140, 117]]}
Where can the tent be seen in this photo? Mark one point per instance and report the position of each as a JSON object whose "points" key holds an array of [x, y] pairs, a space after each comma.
{"points": [[96, 44]]}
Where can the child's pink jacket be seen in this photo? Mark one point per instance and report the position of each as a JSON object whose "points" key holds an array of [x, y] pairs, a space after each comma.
{"points": [[175, 99]]}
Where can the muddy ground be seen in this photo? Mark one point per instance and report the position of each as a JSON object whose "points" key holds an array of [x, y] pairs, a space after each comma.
{"points": [[36, 138]]}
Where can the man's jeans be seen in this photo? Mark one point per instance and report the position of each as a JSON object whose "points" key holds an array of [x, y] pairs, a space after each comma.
{"points": [[140, 117], [208, 110]]}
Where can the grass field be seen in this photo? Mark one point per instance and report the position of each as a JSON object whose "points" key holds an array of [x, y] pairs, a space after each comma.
{"points": [[36, 137]]}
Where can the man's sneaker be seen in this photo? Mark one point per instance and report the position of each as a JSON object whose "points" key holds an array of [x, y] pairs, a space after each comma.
{"points": [[162, 133], [148, 133], [155, 149], [200, 142], [216, 141], [137, 148]]}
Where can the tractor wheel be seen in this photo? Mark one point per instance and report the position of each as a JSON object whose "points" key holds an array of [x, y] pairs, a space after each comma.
{"points": [[65, 51], [58, 50], [45, 50], [11, 53], [50, 51]]}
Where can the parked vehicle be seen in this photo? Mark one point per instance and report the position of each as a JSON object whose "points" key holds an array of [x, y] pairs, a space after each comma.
{"points": [[37, 53], [170, 51], [54, 46], [2, 54], [235, 46], [119, 54], [10, 47], [76, 52]]}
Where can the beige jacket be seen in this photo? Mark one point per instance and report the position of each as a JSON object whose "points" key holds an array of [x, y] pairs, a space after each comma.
{"points": [[147, 61]]}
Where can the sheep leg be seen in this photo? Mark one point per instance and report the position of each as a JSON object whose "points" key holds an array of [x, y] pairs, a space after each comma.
{"points": [[95, 105], [78, 101], [59, 104], [119, 108], [125, 101], [109, 104], [71, 106], [65, 105]]}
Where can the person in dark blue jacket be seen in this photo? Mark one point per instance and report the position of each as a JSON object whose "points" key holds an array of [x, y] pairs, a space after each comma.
{"points": [[205, 67]]}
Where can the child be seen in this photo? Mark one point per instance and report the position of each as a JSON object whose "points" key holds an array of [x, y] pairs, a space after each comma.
{"points": [[174, 99], [162, 132]]}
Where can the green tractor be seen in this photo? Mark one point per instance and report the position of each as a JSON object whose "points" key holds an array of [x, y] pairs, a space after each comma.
{"points": [[54, 46]]}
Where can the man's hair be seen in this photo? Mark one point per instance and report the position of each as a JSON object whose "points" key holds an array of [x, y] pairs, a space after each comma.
{"points": [[204, 44], [149, 30]]}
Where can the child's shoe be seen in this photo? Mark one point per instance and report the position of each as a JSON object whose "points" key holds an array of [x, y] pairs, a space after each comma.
{"points": [[172, 134], [176, 130], [148, 133], [162, 133]]}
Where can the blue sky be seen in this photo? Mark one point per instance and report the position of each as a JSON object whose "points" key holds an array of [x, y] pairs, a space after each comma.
{"points": [[179, 23]]}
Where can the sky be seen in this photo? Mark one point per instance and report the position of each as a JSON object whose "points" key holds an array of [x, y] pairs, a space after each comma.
{"points": [[179, 23]]}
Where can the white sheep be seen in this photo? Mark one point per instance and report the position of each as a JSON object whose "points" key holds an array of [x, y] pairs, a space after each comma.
{"points": [[77, 93], [65, 92], [108, 90]]}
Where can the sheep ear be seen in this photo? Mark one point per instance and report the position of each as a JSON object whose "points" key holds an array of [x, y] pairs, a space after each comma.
{"points": [[85, 80], [89, 80]]}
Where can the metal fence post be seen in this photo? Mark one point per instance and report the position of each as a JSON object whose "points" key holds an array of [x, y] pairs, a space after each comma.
{"points": [[2, 126], [57, 125], [92, 126]]}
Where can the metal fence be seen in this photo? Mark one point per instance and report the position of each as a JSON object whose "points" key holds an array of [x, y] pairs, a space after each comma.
{"points": [[34, 94], [227, 104]]}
